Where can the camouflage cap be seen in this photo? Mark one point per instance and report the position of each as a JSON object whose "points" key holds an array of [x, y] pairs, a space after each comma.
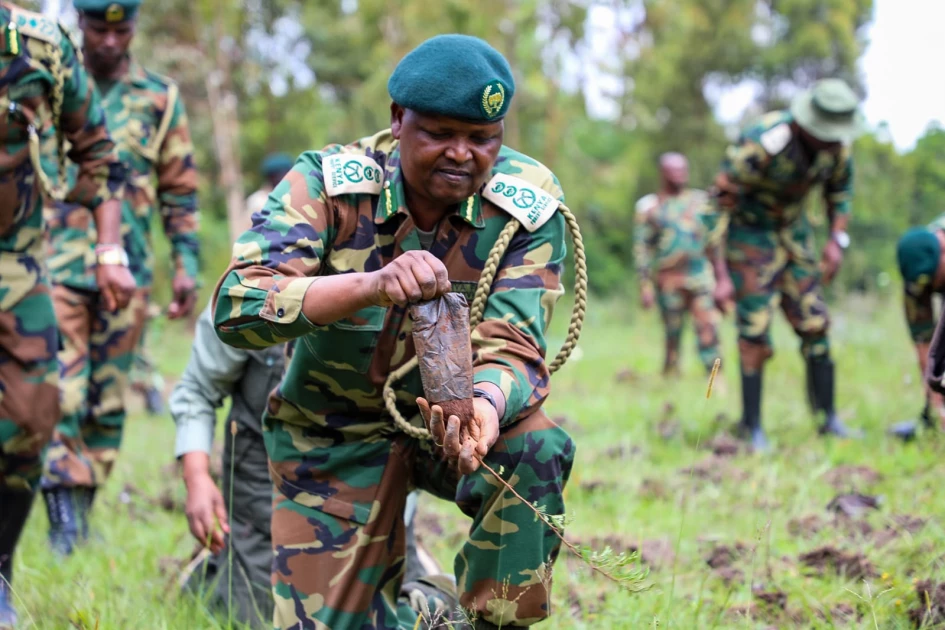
{"points": [[918, 253], [108, 10], [829, 111], [457, 76]]}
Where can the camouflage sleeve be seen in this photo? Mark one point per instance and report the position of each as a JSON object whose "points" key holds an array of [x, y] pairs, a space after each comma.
{"points": [[101, 175], [258, 301], [743, 168], [838, 190], [919, 316], [643, 233], [509, 345], [177, 191]]}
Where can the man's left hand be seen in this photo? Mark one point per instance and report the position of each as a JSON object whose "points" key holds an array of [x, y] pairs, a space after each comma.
{"points": [[830, 262], [185, 296], [466, 442]]}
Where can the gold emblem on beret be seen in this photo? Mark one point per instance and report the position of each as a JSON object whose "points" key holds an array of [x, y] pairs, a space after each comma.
{"points": [[493, 99], [114, 13]]}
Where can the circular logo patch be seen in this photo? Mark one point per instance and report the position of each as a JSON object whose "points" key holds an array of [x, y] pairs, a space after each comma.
{"points": [[493, 99], [114, 13]]}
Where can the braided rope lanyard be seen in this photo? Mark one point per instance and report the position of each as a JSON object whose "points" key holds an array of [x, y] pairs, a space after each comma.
{"points": [[52, 191], [478, 306]]}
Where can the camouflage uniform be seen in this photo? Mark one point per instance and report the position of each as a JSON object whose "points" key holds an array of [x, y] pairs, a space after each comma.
{"points": [[341, 471], [669, 238], [36, 55], [770, 252], [150, 128]]}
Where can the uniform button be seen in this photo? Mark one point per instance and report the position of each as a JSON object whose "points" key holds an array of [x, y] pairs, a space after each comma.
{"points": [[402, 336], [280, 312]]}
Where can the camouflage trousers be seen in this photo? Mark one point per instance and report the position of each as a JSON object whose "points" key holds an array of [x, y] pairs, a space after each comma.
{"points": [[338, 526], [777, 267], [98, 347], [29, 388], [675, 299]]}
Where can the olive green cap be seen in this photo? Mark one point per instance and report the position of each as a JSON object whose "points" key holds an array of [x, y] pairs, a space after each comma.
{"points": [[829, 111]]}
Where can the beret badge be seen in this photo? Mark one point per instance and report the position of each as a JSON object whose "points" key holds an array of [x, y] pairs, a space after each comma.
{"points": [[493, 99]]}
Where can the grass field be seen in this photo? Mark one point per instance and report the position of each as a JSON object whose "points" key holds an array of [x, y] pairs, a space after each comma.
{"points": [[644, 478]]}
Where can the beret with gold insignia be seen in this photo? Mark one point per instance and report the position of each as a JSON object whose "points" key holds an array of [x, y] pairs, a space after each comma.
{"points": [[457, 76], [108, 10]]}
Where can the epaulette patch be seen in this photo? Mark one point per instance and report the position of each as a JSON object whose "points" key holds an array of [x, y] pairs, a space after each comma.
{"points": [[646, 203], [531, 205], [36, 26], [346, 174], [775, 139]]}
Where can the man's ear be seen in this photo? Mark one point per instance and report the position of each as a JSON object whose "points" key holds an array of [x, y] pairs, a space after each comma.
{"points": [[396, 120]]}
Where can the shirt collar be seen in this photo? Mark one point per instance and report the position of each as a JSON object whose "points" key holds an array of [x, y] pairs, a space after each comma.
{"points": [[393, 201]]}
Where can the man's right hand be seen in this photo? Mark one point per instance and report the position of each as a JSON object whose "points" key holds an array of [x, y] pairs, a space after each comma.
{"points": [[724, 293], [647, 297], [412, 277], [205, 508]]}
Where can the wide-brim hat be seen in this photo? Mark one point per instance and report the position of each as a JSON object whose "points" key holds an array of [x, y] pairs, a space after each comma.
{"points": [[829, 111]]}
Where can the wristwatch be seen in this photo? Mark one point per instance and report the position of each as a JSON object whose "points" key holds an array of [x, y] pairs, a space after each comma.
{"points": [[841, 238], [478, 393], [111, 255]]}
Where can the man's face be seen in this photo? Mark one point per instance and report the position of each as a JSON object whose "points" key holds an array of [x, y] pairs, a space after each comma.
{"points": [[105, 43], [675, 172], [445, 160]]}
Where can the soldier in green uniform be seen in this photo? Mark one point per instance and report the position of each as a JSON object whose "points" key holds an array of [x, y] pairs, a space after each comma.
{"points": [[147, 119], [769, 243], [45, 96], [670, 250], [347, 240], [920, 255]]}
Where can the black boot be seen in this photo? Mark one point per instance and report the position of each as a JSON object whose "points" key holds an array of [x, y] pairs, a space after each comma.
{"points": [[16, 509], [750, 427], [820, 390], [908, 430], [66, 510], [154, 401]]}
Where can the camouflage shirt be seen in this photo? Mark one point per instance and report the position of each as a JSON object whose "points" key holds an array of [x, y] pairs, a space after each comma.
{"points": [[670, 235], [32, 47], [918, 300], [159, 156], [342, 210], [769, 172]]}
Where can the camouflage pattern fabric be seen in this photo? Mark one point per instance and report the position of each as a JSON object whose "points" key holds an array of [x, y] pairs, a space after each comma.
{"points": [[769, 240], [33, 48], [98, 347], [917, 299], [338, 465], [160, 178], [670, 239]]}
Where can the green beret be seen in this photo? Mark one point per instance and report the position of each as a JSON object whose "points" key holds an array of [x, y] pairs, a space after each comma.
{"points": [[277, 164], [918, 254], [457, 76], [108, 10]]}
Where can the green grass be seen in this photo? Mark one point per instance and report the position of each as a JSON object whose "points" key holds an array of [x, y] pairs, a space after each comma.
{"points": [[628, 485]]}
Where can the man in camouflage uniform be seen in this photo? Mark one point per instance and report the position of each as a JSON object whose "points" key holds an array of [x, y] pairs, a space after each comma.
{"points": [[669, 242], [274, 168], [347, 240], [920, 255], [770, 244], [44, 92], [147, 119]]}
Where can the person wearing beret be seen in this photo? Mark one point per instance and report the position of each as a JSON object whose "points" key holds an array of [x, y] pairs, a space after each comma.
{"points": [[350, 238], [769, 242], [273, 168], [146, 116], [920, 256]]}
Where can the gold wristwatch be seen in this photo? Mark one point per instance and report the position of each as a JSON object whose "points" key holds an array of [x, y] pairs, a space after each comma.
{"points": [[111, 255]]}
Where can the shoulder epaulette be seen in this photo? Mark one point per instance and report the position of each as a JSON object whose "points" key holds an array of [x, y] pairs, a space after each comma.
{"points": [[36, 25], [531, 205], [347, 173], [775, 139]]}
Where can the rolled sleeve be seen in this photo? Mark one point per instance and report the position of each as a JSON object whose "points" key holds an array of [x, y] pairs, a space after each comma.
{"points": [[258, 302]]}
